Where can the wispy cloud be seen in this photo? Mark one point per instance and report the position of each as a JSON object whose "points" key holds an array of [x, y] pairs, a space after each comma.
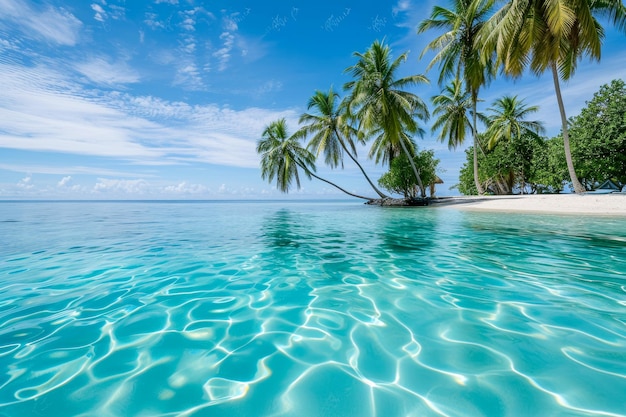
{"points": [[43, 110], [401, 6], [69, 169], [51, 24], [101, 71], [223, 54], [104, 11]]}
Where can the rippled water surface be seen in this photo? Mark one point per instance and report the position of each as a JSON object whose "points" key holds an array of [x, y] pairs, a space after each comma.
{"points": [[308, 309]]}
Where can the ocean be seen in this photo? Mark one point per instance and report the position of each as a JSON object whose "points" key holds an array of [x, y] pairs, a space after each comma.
{"points": [[316, 308]]}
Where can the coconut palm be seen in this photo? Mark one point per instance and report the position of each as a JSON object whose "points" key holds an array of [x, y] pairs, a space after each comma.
{"points": [[331, 134], [452, 106], [383, 107], [508, 120], [550, 34], [458, 54], [282, 157]]}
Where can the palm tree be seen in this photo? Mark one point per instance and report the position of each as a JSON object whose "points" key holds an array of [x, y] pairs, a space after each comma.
{"points": [[459, 55], [282, 157], [383, 107], [508, 121], [452, 107], [331, 134], [550, 34]]}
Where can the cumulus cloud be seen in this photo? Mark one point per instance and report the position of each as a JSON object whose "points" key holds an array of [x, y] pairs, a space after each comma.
{"points": [[25, 183], [131, 187], [64, 181], [186, 188]]}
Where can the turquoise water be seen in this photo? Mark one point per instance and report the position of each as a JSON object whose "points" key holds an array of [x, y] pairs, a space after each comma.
{"points": [[308, 309]]}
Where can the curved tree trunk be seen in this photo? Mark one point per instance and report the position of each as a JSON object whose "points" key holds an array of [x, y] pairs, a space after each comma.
{"points": [[380, 193], [417, 175], [479, 187], [578, 187], [333, 184]]}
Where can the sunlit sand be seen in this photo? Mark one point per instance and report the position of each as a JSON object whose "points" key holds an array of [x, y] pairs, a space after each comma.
{"points": [[588, 203]]}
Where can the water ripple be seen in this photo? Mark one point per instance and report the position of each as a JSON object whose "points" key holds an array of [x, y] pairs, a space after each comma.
{"points": [[222, 309]]}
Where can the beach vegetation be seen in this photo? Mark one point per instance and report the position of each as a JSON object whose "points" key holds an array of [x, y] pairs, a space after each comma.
{"points": [[549, 169], [598, 136], [400, 179], [452, 110], [285, 160], [330, 131], [385, 111], [549, 35], [507, 121], [507, 168], [458, 53]]}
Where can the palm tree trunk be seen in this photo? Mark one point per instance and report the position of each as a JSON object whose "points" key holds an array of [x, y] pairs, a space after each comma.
{"points": [[380, 193], [417, 175], [578, 187], [479, 187], [308, 171]]}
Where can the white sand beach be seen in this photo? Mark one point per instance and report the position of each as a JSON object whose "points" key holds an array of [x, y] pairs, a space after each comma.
{"points": [[613, 204]]}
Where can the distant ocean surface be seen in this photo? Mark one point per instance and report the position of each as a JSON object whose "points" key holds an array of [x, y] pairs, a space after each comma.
{"points": [[308, 309]]}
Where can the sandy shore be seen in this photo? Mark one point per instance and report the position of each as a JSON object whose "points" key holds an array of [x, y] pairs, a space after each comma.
{"points": [[613, 204]]}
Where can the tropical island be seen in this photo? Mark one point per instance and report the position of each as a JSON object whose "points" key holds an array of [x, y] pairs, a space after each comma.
{"points": [[509, 155]]}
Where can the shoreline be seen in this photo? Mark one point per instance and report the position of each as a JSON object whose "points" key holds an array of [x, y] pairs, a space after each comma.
{"points": [[611, 204]]}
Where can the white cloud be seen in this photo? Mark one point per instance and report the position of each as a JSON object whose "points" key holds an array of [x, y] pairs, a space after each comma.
{"points": [[26, 183], [52, 24], [44, 110], [151, 19], [223, 54], [401, 6], [65, 169], [101, 71], [64, 181], [100, 15], [114, 12], [134, 187], [186, 188], [188, 76]]}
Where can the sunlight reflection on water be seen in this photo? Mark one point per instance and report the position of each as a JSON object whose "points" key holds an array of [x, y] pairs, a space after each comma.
{"points": [[308, 309]]}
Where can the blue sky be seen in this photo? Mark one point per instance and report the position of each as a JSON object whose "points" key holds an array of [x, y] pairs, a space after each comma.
{"points": [[166, 99]]}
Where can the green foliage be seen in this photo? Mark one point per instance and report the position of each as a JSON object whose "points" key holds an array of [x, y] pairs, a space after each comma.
{"points": [[505, 169], [400, 178], [384, 108], [598, 136], [549, 171]]}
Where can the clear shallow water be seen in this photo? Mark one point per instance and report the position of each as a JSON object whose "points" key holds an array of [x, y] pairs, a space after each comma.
{"points": [[317, 309]]}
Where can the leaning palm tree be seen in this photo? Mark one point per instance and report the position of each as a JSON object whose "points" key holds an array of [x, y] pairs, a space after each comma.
{"points": [[452, 107], [282, 157], [459, 55], [507, 121], [550, 34], [331, 134], [383, 107]]}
